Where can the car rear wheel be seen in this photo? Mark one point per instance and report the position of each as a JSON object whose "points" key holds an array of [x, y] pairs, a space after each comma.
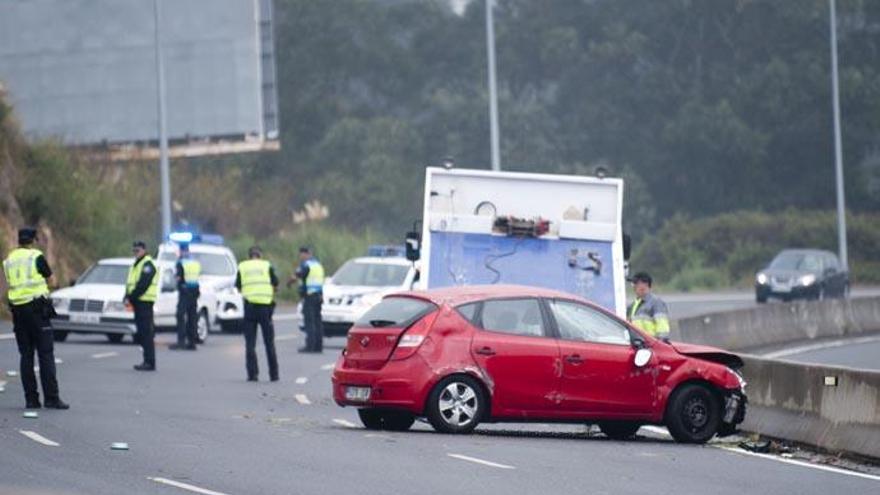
{"points": [[456, 405], [377, 419], [693, 414], [115, 337], [619, 430], [203, 328], [59, 335]]}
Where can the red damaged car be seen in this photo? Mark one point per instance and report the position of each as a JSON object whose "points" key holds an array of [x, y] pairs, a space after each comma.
{"points": [[465, 355]]}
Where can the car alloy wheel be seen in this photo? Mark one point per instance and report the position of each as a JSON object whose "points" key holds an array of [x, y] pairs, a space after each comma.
{"points": [[202, 328], [456, 405]]}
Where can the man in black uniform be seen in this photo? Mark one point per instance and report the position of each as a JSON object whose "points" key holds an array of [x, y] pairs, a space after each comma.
{"points": [[27, 274], [188, 271], [141, 290]]}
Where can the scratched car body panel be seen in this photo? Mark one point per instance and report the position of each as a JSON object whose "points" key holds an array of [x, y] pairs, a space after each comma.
{"points": [[528, 354]]}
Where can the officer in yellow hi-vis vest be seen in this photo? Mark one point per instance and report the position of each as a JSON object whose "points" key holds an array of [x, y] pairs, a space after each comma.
{"points": [[27, 273], [311, 290], [141, 290], [188, 271], [257, 283], [648, 312]]}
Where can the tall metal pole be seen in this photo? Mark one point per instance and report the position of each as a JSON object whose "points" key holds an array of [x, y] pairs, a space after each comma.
{"points": [[164, 174], [493, 91], [838, 149]]}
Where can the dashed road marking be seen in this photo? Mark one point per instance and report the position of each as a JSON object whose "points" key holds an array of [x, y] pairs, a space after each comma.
{"points": [[480, 461], [58, 361], [7, 336], [286, 337], [286, 317], [803, 464], [344, 422], [328, 366], [659, 430], [39, 438], [102, 355], [302, 399], [301, 380], [184, 486]]}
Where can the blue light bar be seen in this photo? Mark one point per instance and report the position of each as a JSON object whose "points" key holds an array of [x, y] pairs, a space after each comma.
{"points": [[181, 237], [386, 251]]}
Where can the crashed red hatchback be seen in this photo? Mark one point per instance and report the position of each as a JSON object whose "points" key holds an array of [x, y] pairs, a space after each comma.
{"points": [[465, 355]]}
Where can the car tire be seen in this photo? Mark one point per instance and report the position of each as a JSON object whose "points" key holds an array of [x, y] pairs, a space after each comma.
{"points": [[203, 327], [378, 419], [230, 326], [115, 337], [693, 414], [456, 404], [59, 335], [619, 430], [760, 298]]}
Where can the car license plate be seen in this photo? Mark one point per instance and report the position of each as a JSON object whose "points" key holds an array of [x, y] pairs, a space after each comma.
{"points": [[85, 317], [360, 394]]}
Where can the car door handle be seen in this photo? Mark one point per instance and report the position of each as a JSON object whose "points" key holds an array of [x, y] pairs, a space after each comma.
{"points": [[485, 351], [574, 359]]}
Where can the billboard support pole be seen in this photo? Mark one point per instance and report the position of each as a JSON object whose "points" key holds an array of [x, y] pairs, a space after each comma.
{"points": [[838, 146], [164, 173], [493, 90]]}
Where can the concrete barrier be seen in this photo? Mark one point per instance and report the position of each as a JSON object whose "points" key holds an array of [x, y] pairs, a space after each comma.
{"points": [[831, 407], [777, 324]]}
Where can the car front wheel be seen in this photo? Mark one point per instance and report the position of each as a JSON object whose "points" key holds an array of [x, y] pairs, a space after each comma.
{"points": [[115, 337], [203, 328], [59, 335], [693, 414], [456, 405]]}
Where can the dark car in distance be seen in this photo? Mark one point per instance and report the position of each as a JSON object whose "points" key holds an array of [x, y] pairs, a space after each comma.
{"points": [[802, 274]]}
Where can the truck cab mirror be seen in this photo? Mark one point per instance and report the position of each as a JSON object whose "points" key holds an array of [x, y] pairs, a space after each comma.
{"points": [[413, 246], [627, 246]]}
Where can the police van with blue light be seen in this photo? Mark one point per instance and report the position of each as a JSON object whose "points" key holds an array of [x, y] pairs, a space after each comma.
{"points": [[94, 303]]}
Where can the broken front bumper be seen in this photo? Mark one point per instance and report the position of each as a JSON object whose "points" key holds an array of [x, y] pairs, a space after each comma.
{"points": [[734, 412]]}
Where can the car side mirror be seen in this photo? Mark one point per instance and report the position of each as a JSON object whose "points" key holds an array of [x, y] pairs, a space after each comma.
{"points": [[643, 356], [638, 342]]}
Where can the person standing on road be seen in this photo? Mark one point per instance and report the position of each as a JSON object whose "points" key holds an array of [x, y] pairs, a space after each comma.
{"points": [[311, 290], [257, 283], [27, 274], [188, 271], [648, 312], [141, 290]]}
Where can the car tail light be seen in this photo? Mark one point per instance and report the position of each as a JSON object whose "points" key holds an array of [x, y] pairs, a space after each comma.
{"points": [[413, 337]]}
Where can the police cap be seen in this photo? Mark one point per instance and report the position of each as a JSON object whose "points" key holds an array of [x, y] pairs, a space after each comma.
{"points": [[26, 235]]}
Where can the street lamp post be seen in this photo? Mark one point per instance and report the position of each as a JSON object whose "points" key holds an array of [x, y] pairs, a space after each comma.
{"points": [[493, 91], [838, 151], [164, 173]]}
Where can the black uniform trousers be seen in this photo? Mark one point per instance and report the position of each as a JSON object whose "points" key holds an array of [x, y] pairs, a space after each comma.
{"points": [[143, 321], [259, 314], [187, 316], [33, 334], [314, 328]]}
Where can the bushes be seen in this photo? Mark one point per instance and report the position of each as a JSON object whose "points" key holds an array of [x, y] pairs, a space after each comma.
{"points": [[728, 249]]}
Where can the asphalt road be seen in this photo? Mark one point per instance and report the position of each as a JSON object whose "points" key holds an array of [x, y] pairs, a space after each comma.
{"points": [[197, 422], [861, 353]]}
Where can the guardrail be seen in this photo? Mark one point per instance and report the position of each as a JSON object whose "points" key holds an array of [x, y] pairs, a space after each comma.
{"points": [[835, 408]]}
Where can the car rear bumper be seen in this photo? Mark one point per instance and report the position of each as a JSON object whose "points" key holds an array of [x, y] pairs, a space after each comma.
{"points": [[397, 385]]}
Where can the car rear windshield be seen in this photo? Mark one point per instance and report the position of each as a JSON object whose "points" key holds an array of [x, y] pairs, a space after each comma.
{"points": [[370, 274], [395, 312], [105, 274]]}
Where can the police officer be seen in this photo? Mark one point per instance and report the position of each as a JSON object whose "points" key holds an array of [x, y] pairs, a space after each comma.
{"points": [[188, 271], [141, 290], [27, 274], [257, 283], [648, 312], [311, 290]]}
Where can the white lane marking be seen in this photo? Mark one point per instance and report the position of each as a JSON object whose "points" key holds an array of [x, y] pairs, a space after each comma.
{"points": [[480, 461], [344, 422], [7, 336], [58, 361], [11, 373], [805, 464], [302, 399], [286, 337], [39, 438], [184, 486], [301, 380], [328, 366], [286, 317], [819, 346], [102, 355], [659, 430], [2, 383]]}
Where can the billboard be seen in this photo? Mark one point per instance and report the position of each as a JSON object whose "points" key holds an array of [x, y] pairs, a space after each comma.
{"points": [[84, 71]]}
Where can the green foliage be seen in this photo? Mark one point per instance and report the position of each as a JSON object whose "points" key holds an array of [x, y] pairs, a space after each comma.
{"points": [[730, 248]]}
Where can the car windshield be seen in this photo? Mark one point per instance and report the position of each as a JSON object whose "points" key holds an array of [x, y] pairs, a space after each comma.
{"points": [[214, 264], [795, 261], [370, 274], [105, 274]]}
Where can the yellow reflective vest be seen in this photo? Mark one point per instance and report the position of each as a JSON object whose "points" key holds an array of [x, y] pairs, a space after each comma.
{"points": [[256, 281], [134, 274], [649, 314], [24, 280]]}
